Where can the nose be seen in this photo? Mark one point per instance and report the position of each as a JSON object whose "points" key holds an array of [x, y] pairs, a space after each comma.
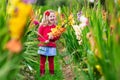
{"points": [[52, 17]]}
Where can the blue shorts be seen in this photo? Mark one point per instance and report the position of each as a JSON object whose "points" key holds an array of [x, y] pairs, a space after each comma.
{"points": [[47, 51]]}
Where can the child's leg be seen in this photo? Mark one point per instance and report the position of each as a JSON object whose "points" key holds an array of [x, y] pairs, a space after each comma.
{"points": [[51, 64], [42, 64]]}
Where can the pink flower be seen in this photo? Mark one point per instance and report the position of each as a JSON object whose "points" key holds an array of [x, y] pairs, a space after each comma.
{"points": [[82, 25], [91, 1], [29, 1], [83, 19], [36, 22]]}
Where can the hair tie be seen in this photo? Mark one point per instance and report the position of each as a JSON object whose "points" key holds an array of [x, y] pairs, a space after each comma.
{"points": [[47, 13]]}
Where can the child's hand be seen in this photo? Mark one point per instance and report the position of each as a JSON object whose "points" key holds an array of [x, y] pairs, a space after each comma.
{"points": [[47, 41], [50, 36]]}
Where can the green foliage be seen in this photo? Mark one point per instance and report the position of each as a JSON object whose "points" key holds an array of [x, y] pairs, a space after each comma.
{"points": [[107, 42]]}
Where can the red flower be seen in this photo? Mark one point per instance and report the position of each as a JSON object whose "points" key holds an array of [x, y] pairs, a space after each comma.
{"points": [[47, 13]]}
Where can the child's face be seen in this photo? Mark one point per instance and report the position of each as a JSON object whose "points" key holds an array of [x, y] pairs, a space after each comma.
{"points": [[52, 18]]}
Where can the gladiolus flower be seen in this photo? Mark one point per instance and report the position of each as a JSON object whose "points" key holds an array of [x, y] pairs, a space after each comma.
{"points": [[80, 42], [83, 25], [93, 44], [14, 46], [83, 19], [24, 10], [77, 29], [71, 19], [14, 2], [78, 33], [91, 40], [57, 31], [112, 27], [97, 54], [29, 1], [91, 1], [104, 14], [16, 26], [79, 15], [17, 21], [36, 22], [98, 67]]}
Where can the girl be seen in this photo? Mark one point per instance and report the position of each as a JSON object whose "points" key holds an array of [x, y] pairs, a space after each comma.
{"points": [[47, 46]]}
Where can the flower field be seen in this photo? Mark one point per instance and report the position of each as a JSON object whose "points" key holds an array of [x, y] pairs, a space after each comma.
{"points": [[89, 42]]}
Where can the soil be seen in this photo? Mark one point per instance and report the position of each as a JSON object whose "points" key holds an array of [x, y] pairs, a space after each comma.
{"points": [[67, 69]]}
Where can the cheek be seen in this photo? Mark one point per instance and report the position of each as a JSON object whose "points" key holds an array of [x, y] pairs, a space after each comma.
{"points": [[49, 18], [55, 18]]}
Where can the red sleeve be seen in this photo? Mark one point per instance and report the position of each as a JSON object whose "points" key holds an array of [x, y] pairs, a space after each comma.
{"points": [[40, 31]]}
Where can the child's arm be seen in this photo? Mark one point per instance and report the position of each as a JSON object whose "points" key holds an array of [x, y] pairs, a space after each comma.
{"points": [[40, 33]]}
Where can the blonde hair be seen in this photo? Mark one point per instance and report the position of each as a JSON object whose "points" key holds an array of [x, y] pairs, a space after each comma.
{"points": [[45, 18]]}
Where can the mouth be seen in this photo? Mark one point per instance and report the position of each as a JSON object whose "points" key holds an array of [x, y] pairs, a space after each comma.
{"points": [[52, 20]]}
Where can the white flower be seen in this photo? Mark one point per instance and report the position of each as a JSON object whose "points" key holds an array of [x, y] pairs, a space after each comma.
{"points": [[91, 1], [75, 27], [78, 33], [83, 19], [84, 22], [78, 37], [82, 26], [80, 42]]}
